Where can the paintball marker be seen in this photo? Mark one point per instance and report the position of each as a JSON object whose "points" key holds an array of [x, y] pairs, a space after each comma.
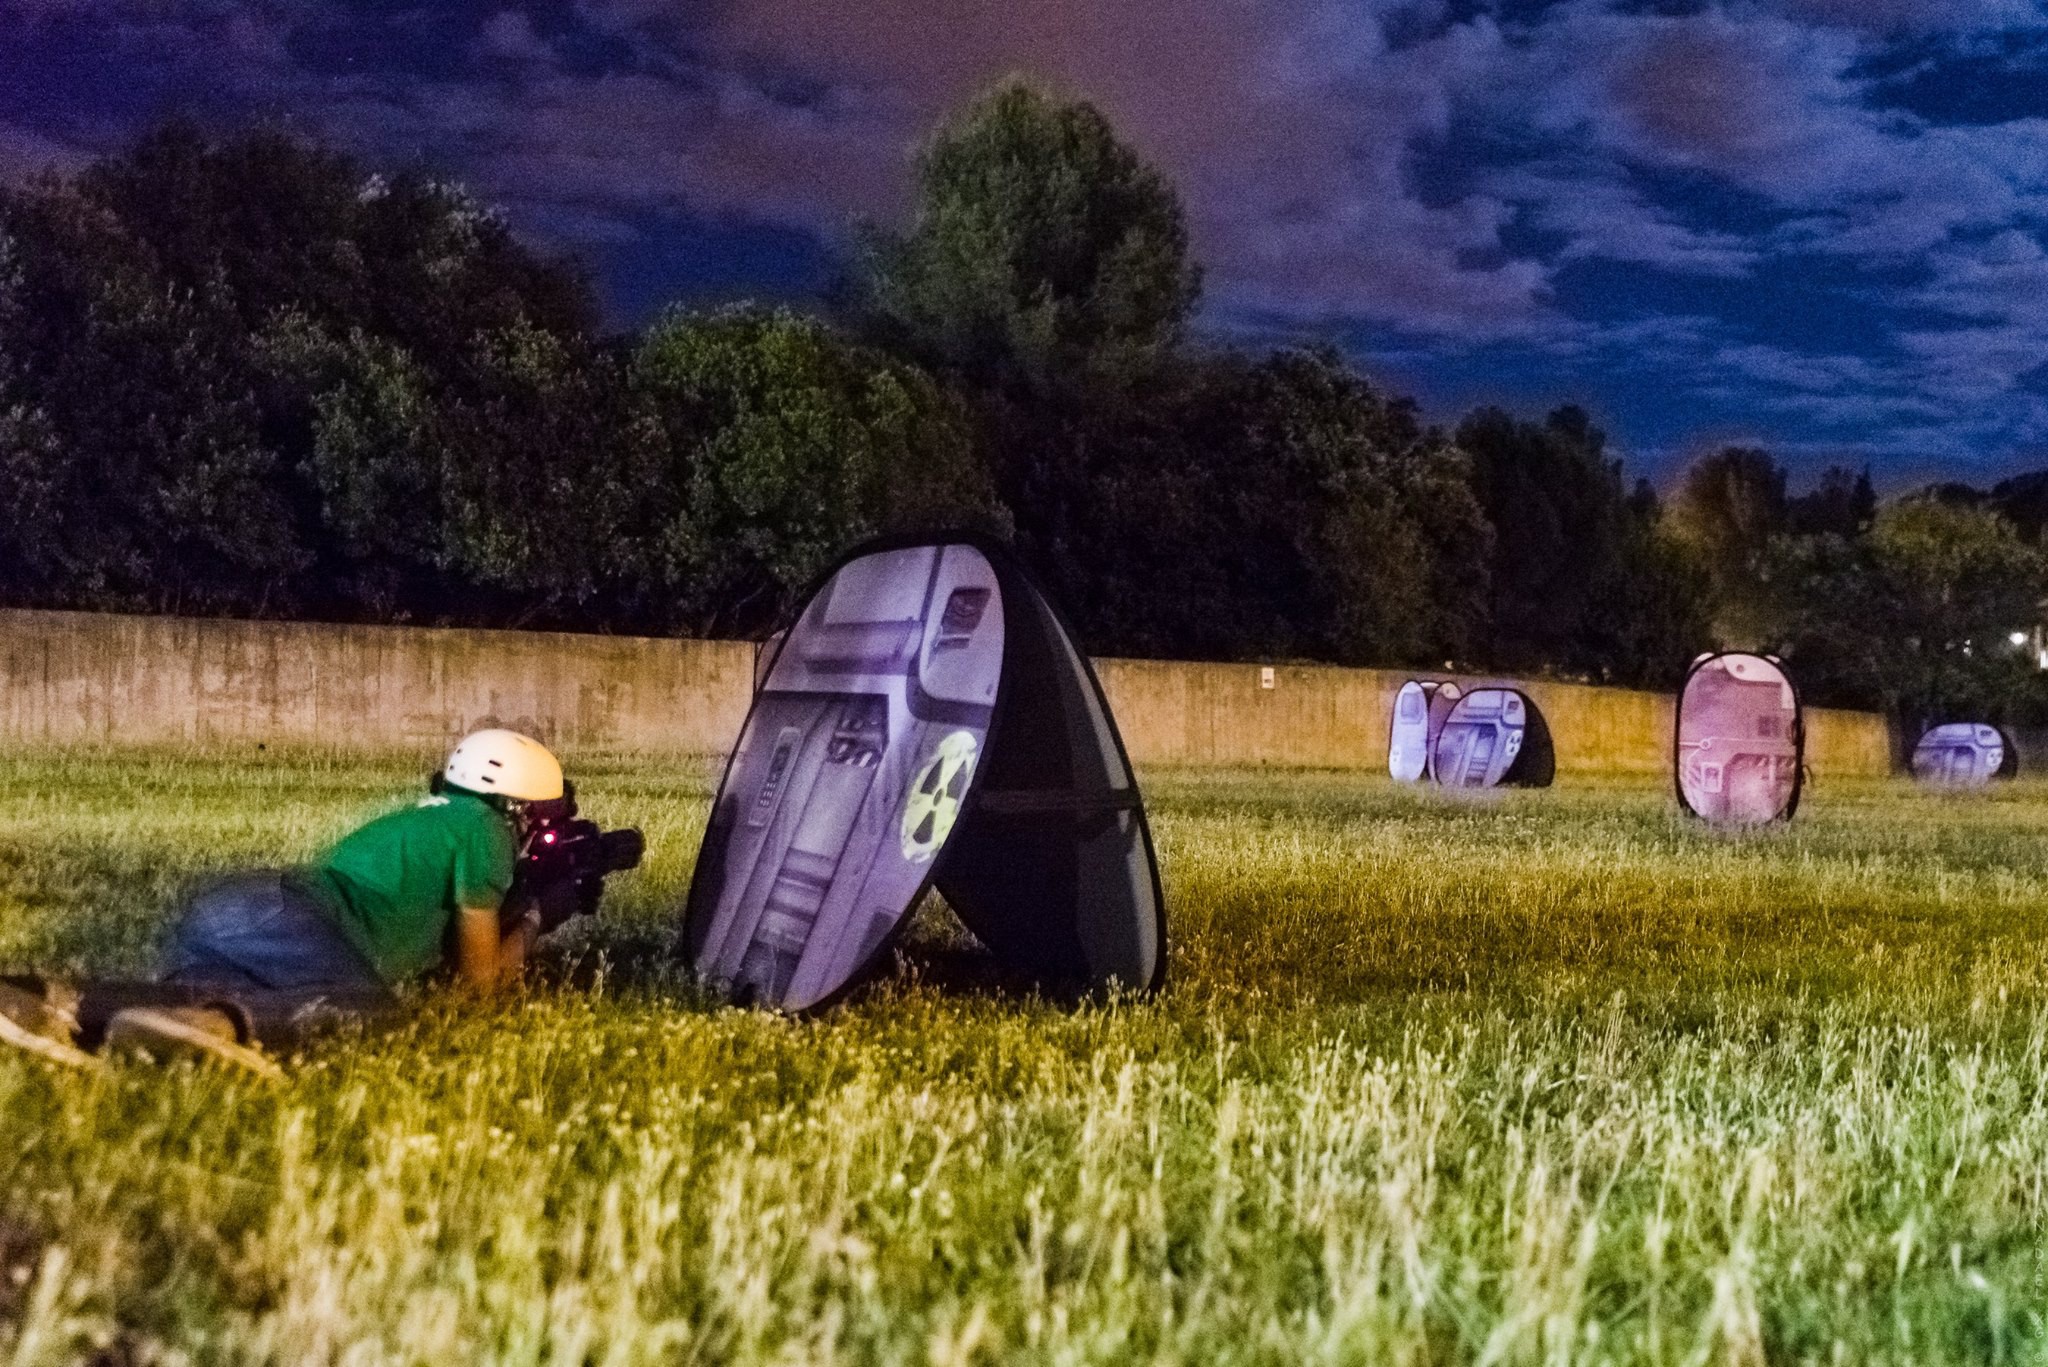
{"points": [[565, 861]]}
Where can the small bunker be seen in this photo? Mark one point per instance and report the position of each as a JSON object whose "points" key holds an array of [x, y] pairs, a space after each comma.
{"points": [[1419, 711], [1739, 755], [925, 722], [1965, 754], [1493, 737]]}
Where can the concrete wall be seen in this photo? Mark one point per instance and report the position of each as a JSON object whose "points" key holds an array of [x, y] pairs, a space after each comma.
{"points": [[1317, 715], [69, 678], [1847, 743]]}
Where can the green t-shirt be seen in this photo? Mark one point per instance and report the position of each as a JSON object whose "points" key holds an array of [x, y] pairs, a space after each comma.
{"points": [[393, 886]]}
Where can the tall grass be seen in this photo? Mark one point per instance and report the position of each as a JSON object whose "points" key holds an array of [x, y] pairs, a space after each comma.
{"points": [[1549, 1078]]}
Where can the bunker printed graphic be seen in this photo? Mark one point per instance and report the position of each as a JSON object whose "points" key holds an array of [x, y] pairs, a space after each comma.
{"points": [[1964, 755], [1419, 711], [1740, 740], [1493, 737], [850, 774], [935, 796], [926, 722], [1442, 699]]}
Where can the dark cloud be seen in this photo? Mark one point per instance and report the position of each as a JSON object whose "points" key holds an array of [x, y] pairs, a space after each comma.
{"points": [[1595, 212], [1288, 127], [1892, 17], [1583, 196]]}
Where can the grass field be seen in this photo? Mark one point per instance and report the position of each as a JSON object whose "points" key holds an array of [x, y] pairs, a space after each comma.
{"points": [[1552, 1078]]}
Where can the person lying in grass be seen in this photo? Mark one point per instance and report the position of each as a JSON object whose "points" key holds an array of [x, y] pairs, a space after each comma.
{"points": [[264, 955]]}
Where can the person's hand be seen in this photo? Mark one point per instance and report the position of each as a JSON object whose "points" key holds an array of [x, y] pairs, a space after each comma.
{"points": [[518, 944]]}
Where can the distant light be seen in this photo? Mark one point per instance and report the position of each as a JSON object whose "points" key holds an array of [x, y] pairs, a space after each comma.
{"points": [[2018, 638]]}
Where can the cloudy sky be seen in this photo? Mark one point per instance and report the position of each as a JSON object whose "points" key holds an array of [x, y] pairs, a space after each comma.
{"points": [[1818, 224]]}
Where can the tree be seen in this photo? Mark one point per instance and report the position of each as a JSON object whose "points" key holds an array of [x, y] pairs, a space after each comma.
{"points": [[1650, 612], [776, 444], [214, 332], [1279, 507], [1046, 278], [29, 457], [273, 223], [543, 475], [2023, 501], [1729, 508], [1356, 526], [139, 445], [1045, 252], [1842, 504], [367, 427], [1575, 564], [1915, 616]]}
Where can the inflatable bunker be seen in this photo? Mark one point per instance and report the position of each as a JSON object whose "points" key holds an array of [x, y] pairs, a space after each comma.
{"points": [[1490, 738], [1419, 711], [926, 721], [1740, 750], [1964, 754]]}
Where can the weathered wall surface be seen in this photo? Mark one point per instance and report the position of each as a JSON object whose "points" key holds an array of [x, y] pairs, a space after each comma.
{"points": [[1224, 714], [1847, 742], [72, 677], [69, 678]]}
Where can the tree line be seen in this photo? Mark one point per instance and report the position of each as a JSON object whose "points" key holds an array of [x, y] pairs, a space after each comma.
{"points": [[243, 374]]}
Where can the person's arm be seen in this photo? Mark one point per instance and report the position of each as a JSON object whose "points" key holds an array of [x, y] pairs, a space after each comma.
{"points": [[484, 956]]}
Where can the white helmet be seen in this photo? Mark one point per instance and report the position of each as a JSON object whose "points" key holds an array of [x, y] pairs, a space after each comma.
{"points": [[506, 764]]}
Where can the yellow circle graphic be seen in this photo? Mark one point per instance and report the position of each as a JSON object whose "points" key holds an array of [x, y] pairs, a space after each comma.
{"points": [[935, 796]]}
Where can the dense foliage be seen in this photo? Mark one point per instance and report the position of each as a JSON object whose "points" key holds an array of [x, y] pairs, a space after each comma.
{"points": [[246, 375], [1927, 607]]}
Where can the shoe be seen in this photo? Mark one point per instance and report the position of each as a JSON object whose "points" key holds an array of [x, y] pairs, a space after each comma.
{"points": [[36, 1021], [200, 1033]]}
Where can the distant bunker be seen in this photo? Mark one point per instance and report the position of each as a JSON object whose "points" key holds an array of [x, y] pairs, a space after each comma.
{"points": [[1491, 738], [1739, 754], [1963, 754]]}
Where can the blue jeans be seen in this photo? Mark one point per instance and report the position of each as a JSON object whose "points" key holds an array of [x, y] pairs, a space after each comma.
{"points": [[260, 931], [259, 949]]}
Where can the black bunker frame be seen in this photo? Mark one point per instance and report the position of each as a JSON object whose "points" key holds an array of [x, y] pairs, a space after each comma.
{"points": [[926, 721]]}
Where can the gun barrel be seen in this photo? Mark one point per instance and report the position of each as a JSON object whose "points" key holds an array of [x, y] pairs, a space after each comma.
{"points": [[620, 850]]}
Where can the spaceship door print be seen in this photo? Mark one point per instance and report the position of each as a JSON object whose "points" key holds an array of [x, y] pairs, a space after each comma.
{"points": [[1964, 755], [1741, 741], [1493, 737], [850, 775], [1417, 719]]}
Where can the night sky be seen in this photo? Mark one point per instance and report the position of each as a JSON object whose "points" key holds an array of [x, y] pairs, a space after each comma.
{"points": [[1821, 225]]}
